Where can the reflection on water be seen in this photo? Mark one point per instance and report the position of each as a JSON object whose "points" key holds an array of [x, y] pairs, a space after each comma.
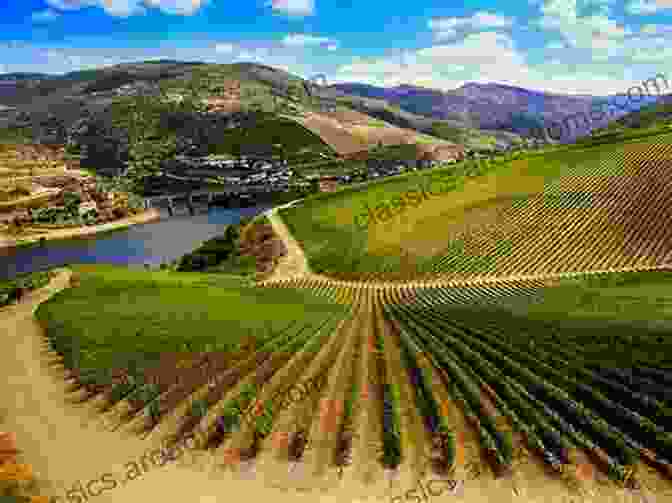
{"points": [[152, 243]]}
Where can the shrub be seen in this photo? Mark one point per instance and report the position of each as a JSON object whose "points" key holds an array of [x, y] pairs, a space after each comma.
{"points": [[72, 200], [16, 288]]}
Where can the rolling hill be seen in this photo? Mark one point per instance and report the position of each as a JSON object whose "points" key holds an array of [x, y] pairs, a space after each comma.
{"points": [[649, 116], [49, 106], [489, 106], [537, 350]]}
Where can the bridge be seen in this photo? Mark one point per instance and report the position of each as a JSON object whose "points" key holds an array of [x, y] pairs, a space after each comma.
{"points": [[207, 195]]}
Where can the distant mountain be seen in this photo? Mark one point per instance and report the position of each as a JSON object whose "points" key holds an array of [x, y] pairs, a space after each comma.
{"points": [[39, 99], [24, 76], [80, 105], [376, 102], [648, 116], [365, 90], [494, 106]]}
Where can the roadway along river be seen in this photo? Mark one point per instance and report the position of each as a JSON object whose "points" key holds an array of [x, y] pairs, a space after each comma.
{"points": [[152, 243]]}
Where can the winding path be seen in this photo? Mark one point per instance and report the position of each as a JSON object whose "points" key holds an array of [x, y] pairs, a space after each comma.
{"points": [[295, 263]]}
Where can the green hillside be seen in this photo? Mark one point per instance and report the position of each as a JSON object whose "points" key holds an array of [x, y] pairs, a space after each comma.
{"points": [[471, 226]]}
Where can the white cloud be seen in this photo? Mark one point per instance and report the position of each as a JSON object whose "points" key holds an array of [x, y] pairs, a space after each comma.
{"points": [[487, 20], [224, 48], [600, 40], [71, 4], [597, 34], [490, 57], [49, 58], [257, 55], [45, 16], [480, 56], [177, 7], [447, 27], [444, 23], [123, 8], [644, 7], [443, 28], [485, 51], [301, 40], [297, 8], [118, 8], [126, 8]]}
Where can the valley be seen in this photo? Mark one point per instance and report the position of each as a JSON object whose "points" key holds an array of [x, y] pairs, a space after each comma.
{"points": [[493, 322]]}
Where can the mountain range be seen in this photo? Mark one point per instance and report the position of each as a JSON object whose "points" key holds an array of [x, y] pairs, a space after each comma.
{"points": [[477, 115], [497, 107]]}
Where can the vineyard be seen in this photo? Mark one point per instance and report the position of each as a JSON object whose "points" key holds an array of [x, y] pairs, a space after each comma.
{"points": [[542, 214], [581, 221], [414, 377], [553, 357], [23, 160]]}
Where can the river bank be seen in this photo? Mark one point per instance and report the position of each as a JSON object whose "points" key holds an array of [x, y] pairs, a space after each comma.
{"points": [[148, 240], [147, 216]]}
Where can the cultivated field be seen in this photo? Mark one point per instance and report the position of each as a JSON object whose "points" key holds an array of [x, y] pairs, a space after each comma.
{"points": [[496, 380], [344, 130], [542, 213], [26, 160], [348, 131], [546, 363]]}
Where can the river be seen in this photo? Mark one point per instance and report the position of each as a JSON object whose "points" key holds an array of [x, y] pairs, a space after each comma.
{"points": [[152, 243]]}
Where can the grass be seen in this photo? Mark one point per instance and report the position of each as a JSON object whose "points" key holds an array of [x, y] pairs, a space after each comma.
{"points": [[120, 318], [268, 130], [15, 135], [642, 300]]}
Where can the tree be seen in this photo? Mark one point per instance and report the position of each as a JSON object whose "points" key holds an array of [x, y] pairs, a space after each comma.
{"points": [[231, 234], [149, 143]]}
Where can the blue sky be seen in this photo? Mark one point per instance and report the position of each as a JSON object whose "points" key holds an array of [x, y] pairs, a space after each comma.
{"points": [[565, 46]]}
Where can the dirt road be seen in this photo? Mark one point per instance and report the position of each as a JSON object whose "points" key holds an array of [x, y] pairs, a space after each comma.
{"points": [[294, 264]]}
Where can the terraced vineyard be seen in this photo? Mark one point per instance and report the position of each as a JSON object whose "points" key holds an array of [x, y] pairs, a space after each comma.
{"points": [[556, 357], [575, 209], [610, 216], [18, 160], [412, 377], [526, 365]]}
